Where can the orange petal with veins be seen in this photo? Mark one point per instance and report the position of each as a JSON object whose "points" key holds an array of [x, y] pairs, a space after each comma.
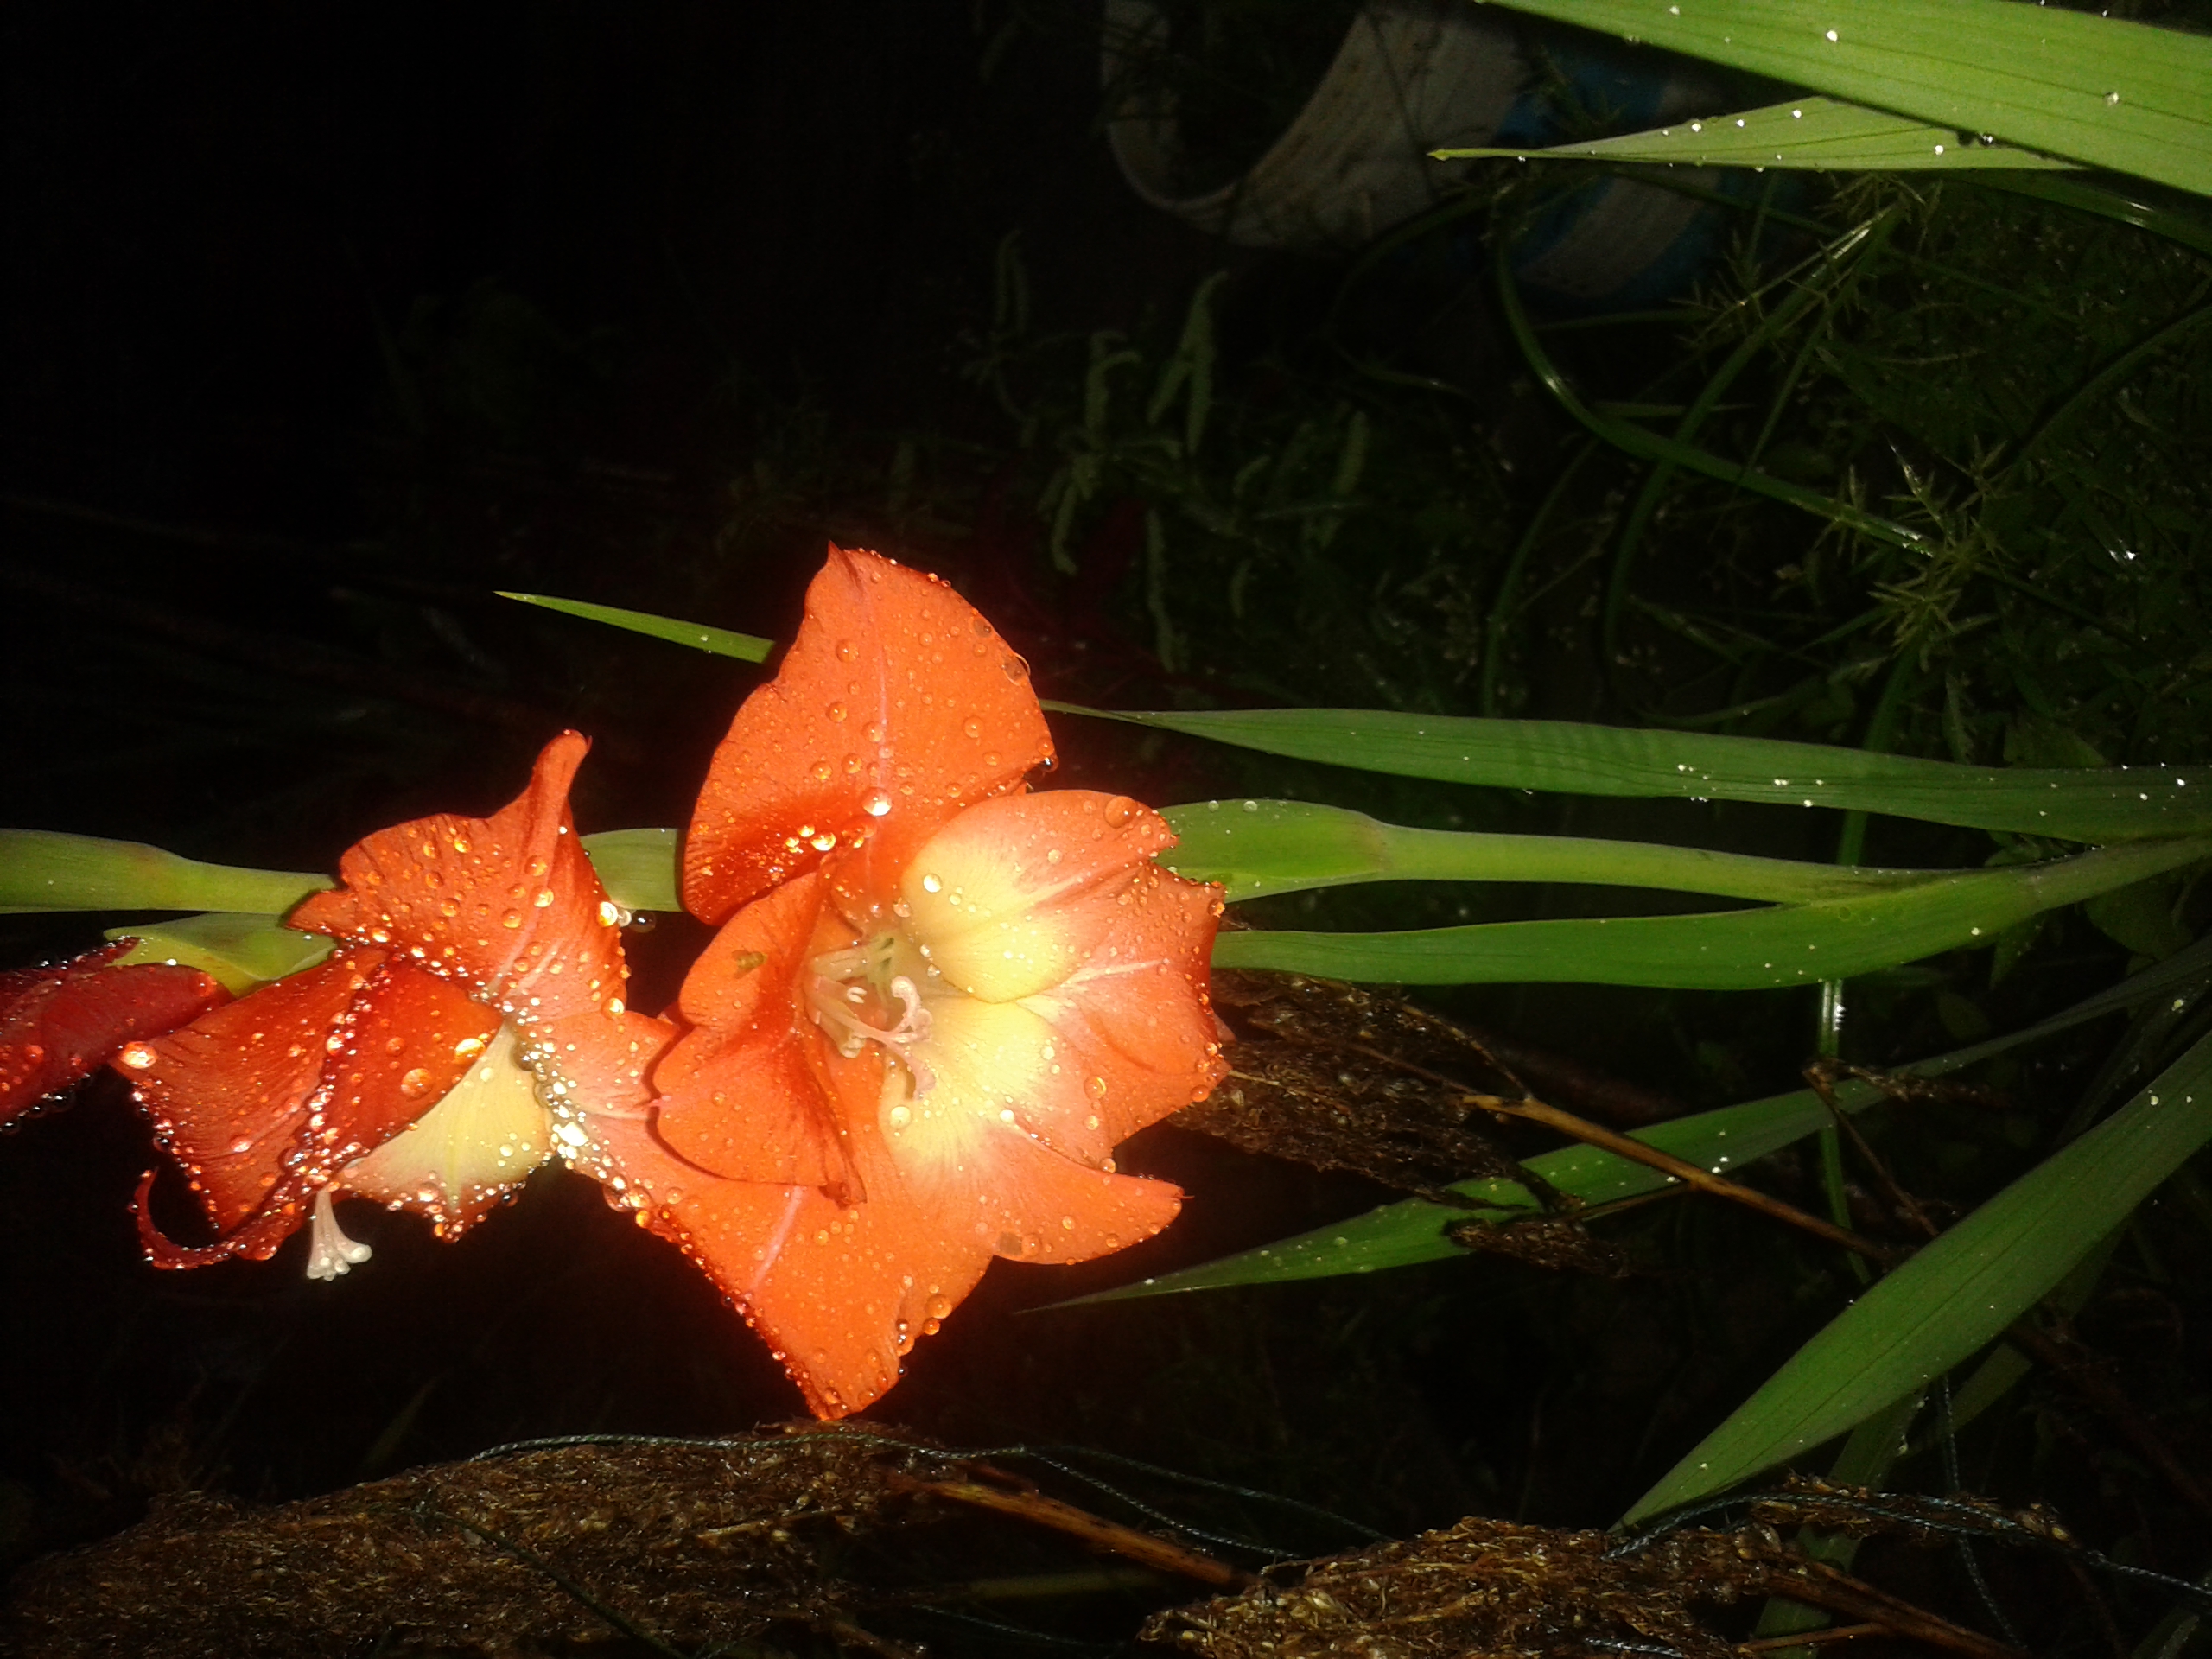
{"points": [[508, 906], [842, 1292], [740, 1094], [896, 705], [1134, 1024], [58, 1024]]}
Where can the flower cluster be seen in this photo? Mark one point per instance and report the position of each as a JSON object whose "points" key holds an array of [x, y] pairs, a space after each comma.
{"points": [[935, 1005]]}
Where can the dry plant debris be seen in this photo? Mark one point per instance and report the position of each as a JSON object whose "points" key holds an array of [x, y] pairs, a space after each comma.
{"points": [[1491, 1589], [1314, 1080], [649, 1547]]}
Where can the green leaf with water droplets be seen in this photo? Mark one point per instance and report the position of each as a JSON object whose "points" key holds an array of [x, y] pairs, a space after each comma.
{"points": [[1812, 134], [716, 642], [1740, 949], [2096, 90], [2065, 804]]}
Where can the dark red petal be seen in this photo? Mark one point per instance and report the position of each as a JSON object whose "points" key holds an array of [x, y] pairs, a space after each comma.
{"points": [[58, 1024], [739, 1093], [508, 906], [896, 705]]}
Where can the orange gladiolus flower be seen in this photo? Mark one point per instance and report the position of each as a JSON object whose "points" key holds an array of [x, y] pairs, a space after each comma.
{"points": [[60, 1023], [471, 1023], [940, 1002]]}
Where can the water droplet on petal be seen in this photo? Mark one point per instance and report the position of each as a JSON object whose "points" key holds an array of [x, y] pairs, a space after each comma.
{"points": [[1014, 668], [930, 884], [138, 1056], [847, 651], [1098, 1087], [972, 728], [875, 803], [544, 897], [836, 711], [1120, 810], [510, 918], [416, 1083], [460, 843]]}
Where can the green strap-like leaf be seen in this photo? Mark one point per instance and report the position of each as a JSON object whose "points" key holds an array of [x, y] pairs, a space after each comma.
{"points": [[717, 642], [1400, 1235], [1818, 134], [241, 950], [2094, 90], [1960, 1291], [1731, 950], [43, 869], [637, 867], [1257, 847], [2114, 804]]}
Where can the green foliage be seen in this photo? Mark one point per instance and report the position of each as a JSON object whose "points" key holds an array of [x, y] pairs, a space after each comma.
{"points": [[2097, 90], [715, 642]]}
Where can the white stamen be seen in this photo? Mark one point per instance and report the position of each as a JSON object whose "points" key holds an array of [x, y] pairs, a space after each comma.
{"points": [[330, 1253]]}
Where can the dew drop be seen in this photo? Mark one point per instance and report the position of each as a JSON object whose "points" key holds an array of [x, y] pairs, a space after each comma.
{"points": [[875, 803], [460, 843], [1014, 668], [243, 1145], [930, 884], [138, 1056], [1098, 1087], [544, 897], [416, 1083], [847, 651], [510, 918], [900, 1116], [972, 728], [1119, 811], [837, 711]]}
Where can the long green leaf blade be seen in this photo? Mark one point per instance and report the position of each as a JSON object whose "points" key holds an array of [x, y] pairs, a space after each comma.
{"points": [[2096, 90], [1731, 950], [1815, 134], [43, 869], [716, 642], [1412, 1231], [1960, 1291], [2113, 804], [1256, 848]]}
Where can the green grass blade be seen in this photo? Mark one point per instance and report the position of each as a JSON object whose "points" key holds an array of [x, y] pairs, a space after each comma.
{"points": [[1255, 848], [2096, 90], [43, 869], [1412, 1231], [1729, 951], [717, 642], [241, 950], [1958, 1292], [2114, 803], [637, 867], [1816, 134]]}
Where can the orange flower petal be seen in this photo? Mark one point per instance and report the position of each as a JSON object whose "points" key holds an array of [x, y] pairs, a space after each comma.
{"points": [[842, 1292], [896, 704], [57, 1024], [1015, 894], [507, 905], [228, 1094], [739, 1093], [1136, 1028]]}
